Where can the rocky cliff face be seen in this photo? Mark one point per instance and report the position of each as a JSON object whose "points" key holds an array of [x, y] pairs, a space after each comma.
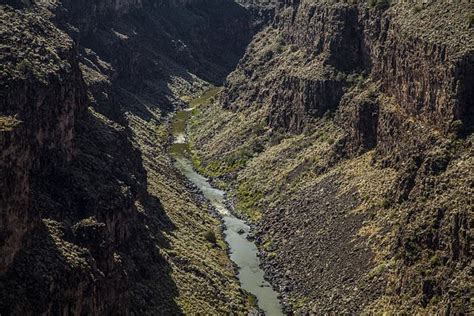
{"points": [[30, 90], [425, 70], [94, 218], [150, 32], [340, 132]]}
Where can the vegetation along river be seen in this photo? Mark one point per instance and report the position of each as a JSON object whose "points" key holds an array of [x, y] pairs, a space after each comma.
{"points": [[242, 251]]}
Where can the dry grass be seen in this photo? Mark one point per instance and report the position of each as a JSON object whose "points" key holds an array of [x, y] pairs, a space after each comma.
{"points": [[200, 266], [8, 123]]}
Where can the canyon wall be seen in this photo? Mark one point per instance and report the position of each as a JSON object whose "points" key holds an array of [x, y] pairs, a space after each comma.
{"points": [[426, 71], [94, 218], [345, 133], [28, 141], [194, 34]]}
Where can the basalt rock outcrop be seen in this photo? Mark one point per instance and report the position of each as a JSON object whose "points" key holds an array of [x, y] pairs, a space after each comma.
{"points": [[352, 127], [302, 97], [57, 93]]}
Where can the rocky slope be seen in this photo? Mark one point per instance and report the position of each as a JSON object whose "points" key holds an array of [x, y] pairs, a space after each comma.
{"points": [[94, 218], [345, 134]]}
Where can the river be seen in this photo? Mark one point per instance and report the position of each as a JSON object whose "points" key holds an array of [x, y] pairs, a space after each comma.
{"points": [[242, 251]]}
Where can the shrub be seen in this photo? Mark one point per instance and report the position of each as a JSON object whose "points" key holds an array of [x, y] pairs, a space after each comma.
{"points": [[24, 66], [252, 300], [268, 55], [210, 236], [258, 147], [471, 20], [379, 4], [386, 203], [356, 79], [248, 198], [8, 123], [378, 270]]}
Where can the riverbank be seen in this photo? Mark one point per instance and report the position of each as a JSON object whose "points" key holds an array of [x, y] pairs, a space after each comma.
{"points": [[242, 251]]}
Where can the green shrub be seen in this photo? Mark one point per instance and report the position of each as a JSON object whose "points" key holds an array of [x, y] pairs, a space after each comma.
{"points": [[259, 129], [258, 147], [24, 66], [379, 4], [386, 203], [210, 236], [252, 300], [248, 198], [471, 20], [435, 260], [378, 270]]}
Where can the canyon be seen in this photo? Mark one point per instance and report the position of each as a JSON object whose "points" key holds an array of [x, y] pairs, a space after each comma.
{"points": [[342, 138]]}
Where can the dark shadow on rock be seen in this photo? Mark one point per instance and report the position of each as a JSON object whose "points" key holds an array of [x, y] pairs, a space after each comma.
{"points": [[97, 248], [105, 213], [147, 48]]}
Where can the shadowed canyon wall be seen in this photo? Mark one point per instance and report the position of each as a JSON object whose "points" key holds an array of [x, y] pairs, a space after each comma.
{"points": [[94, 218]]}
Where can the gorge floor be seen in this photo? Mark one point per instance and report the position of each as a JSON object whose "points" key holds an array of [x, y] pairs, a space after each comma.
{"points": [[242, 251]]}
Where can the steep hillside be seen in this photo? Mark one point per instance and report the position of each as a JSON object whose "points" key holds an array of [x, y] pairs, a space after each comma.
{"points": [[94, 217], [345, 134]]}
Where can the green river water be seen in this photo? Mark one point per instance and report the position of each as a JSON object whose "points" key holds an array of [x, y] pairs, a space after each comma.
{"points": [[242, 252]]}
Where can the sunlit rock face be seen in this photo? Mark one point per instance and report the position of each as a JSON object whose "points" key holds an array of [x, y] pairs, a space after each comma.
{"points": [[327, 96]]}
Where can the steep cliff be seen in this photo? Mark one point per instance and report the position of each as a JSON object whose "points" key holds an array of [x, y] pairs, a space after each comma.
{"points": [[94, 217], [345, 133], [30, 89]]}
